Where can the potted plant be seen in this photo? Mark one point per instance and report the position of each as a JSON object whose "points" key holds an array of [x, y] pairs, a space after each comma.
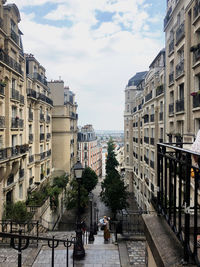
{"points": [[193, 93]]}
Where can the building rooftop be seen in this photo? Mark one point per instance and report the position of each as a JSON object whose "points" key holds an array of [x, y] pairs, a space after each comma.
{"points": [[137, 78]]}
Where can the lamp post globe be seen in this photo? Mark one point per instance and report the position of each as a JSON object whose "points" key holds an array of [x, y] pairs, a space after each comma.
{"points": [[91, 235], [79, 251]]}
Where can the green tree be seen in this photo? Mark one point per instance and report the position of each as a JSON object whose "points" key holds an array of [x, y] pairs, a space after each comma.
{"points": [[89, 179], [114, 193], [71, 200], [16, 212]]}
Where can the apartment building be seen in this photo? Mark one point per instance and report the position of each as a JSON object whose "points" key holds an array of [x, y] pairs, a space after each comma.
{"points": [[13, 140], [39, 123], [89, 150], [132, 90], [64, 127]]}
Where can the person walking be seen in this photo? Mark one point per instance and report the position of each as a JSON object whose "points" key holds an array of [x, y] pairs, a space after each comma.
{"points": [[106, 229]]}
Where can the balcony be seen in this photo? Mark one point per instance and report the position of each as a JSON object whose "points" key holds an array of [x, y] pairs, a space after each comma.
{"points": [[171, 109], [152, 118], [180, 32], [21, 123], [40, 78], [42, 117], [10, 179], [6, 59], [15, 122], [179, 105], [21, 99], [15, 95], [159, 90], [146, 139], [161, 116], [48, 119], [48, 153], [30, 116], [42, 155], [152, 141], [2, 90], [48, 136], [171, 78], [30, 138], [31, 93], [3, 154], [180, 68], [167, 17], [171, 46], [41, 137], [45, 98], [196, 101], [148, 96], [2, 121], [14, 37], [31, 158], [196, 10]]}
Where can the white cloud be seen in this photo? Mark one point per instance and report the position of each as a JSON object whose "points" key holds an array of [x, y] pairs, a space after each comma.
{"points": [[95, 63]]}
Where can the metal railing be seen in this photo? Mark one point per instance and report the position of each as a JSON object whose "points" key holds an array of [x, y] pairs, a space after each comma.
{"points": [[2, 121], [5, 58], [146, 139], [179, 105], [171, 77], [177, 195], [15, 94], [180, 68], [159, 90], [31, 158], [171, 46], [148, 96], [180, 32], [21, 242], [14, 37], [196, 10]]}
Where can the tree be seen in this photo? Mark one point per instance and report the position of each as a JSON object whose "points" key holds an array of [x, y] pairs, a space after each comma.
{"points": [[89, 179], [113, 193], [71, 200], [17, 212]]}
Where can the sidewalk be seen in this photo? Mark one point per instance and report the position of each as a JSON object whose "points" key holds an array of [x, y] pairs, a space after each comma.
{"points": [[97, 254]]}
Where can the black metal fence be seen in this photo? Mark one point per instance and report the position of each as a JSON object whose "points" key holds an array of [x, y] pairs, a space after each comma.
{"points": [[21, 242], [178, 196]]}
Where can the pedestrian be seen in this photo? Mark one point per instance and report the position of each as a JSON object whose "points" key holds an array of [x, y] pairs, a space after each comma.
{"points": [[106, 229]]}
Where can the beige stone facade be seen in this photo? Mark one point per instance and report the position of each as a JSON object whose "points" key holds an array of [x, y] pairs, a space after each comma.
{"points": [[39, 123], [64, 127], [89, 150], [13, 135]]}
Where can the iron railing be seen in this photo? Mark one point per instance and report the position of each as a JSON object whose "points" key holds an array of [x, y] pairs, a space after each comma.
{"points": [[148, 96], [180, 32], [2, 121], [31, 158], [179, 105], [21, 242], [159, 90], [171, 77], [196, 10], [5, 58], [177, 195], [171, 46], [180, 68]]}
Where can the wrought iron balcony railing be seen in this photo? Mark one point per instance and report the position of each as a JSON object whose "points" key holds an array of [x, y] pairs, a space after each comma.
{"points": [[21, 99], [180, 68], [2, 121], [196, 10], [42, 155], [148, 96], [6, 59], [179, 105], [159, 90], [49, 153], [14, 37], [31, 93], [146, 139], [40, 78], [177, 196], [3, 153], [180, 32], [15, 95], [31, 158]]}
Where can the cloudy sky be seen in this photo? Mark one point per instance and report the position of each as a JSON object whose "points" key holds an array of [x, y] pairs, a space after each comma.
{"points": [[95, 46]]}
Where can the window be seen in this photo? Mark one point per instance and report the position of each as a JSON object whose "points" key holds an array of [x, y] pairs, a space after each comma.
{"points": [[127, 148], [161, 106], [171, 97], [181, 91], [20, 191], [13, 83], [1, 141]]}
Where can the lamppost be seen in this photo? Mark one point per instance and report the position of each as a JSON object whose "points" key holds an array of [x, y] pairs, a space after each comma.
{"points": [[79, 251], [91, 235]]}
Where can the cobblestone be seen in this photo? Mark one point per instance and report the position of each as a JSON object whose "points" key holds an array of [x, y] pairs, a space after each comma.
{"points": [[136, 252]]}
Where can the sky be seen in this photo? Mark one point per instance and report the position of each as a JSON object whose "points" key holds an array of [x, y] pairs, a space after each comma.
{"points": [[95, 46]]}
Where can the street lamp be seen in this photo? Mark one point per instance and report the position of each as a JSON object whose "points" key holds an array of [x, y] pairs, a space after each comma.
{"points": [[91, 235], [79, 251], [95, 219]]}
